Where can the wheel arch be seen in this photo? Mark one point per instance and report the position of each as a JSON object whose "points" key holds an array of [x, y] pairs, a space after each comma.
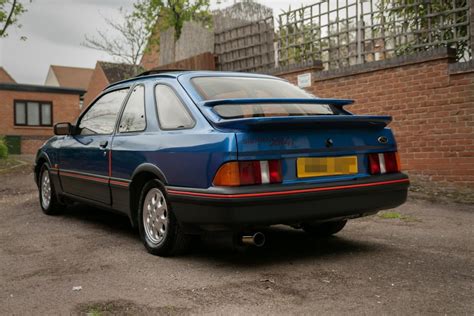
{"points": [[40, 160], [142, 174]]}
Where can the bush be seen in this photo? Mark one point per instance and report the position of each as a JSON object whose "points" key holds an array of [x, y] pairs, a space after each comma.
{"points": [[3, 148]]}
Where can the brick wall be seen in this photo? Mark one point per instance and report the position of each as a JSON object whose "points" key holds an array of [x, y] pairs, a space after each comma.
{"points": [[30, 144], [432, 104], [96, 85], [65, 109]]}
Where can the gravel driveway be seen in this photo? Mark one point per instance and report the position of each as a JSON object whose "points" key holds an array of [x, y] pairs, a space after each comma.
{"points": [[90, 261]]}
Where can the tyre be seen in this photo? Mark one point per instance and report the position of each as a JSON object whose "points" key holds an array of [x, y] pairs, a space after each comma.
{"points": [[47, 195], [324, 229], [159, 230]]}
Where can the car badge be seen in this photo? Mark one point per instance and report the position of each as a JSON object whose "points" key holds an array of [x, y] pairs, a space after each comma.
{"points": [[382, 140], [329, 142]]}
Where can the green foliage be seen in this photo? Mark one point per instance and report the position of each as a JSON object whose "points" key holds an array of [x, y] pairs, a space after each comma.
{"points": [[10, 10], [94, 312], [396, 215], [3, 149], [161, 15], [299, 42], [428, 24], [341, 43]]}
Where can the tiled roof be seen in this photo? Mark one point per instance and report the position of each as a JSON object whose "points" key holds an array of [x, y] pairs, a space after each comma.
{"points": [[72, 77], [117, 72]]}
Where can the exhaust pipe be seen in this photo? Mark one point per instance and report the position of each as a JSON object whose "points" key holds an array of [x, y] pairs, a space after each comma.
{"points": [[257, 239]]}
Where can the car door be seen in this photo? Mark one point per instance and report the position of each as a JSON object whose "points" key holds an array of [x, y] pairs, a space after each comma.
{"points": [[129, 148], [84, 156]]}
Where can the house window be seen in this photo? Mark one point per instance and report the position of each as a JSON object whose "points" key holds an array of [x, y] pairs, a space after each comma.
{"points": [[32, 113]]}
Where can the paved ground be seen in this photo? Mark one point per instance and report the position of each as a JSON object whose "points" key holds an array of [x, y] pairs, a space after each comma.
{"points": [[422, 263]]}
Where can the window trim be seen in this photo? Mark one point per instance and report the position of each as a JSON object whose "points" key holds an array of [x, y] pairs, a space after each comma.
{"points": [[180, 100], [15, 101], [79, 119], [124, 106]]}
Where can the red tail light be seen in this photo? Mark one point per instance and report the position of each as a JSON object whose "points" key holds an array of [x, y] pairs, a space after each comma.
{"points": [[249, 172], [274, 166], [384, 163], [392, 162], [238, 173], [374, 163]]}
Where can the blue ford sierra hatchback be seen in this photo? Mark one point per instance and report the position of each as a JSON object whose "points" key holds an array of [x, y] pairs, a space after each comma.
{"points": [[186, 152]]}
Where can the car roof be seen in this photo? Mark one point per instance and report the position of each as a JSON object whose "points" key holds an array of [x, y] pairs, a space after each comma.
{"points": [[189, 73]]}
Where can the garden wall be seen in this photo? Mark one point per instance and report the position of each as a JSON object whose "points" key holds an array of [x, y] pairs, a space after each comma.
{"points": [[431, 99]]}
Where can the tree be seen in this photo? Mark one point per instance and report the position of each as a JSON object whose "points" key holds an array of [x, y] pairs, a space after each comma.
{"points": [[129, 43], [137, 32], [10, 10], [173, 13]]}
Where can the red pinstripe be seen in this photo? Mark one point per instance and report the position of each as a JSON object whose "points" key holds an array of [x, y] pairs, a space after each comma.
{"points": [[80, 176], [120, 183], [263, 194]]}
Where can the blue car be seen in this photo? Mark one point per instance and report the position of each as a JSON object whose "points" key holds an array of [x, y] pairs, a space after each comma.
{"points": [[183, 153]]}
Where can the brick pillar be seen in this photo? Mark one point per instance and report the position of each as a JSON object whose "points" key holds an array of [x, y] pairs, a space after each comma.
{"points": [[471, 27]]}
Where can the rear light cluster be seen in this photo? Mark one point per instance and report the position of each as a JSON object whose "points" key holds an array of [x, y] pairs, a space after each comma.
{"points": [[384, 163], [238, 173]]}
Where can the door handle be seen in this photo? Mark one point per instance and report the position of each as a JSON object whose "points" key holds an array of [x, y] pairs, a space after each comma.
{"points": [[103, 144]]}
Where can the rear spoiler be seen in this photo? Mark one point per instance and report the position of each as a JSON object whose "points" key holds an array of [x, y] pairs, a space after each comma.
{"points": [[322, 121], [340, 103], [314, 121]]}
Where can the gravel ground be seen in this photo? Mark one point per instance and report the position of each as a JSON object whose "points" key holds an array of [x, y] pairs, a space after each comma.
{"points": [[421, 263]]}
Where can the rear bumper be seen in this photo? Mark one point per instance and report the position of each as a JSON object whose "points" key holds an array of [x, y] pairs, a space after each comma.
{"points": [[283, 204]]}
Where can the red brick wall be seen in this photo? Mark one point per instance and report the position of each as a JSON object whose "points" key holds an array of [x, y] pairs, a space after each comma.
{"points": [[30, 145], [65, 109], [96, 85], [432, 104]]}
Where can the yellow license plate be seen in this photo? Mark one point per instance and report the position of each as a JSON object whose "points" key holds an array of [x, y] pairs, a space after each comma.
{"points": [[326, 166]]}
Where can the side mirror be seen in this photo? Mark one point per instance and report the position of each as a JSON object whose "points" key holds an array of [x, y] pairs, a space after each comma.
{"points": [[63, 128]]}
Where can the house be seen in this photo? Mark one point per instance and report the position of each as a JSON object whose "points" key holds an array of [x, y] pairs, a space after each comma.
{"points": [[28, 113], [106, 73], [68, 77], [5, 76]]}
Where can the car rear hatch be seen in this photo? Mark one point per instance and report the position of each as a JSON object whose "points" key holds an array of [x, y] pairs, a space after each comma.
{"points": [[312, 148]]}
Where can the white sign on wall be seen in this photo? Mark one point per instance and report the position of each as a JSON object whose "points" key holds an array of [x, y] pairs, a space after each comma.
{"points": [[304, 80]]}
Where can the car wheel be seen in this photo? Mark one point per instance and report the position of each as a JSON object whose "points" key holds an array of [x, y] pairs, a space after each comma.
{"points": [[47, 195], [324, 229], [159, 230]]}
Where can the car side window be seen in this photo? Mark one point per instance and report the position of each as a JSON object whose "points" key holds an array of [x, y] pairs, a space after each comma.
{"points": [[100, 119], [133, 117], [172, 113]]}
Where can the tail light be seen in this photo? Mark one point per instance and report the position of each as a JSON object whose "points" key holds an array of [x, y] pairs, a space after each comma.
{"points": [[384, 163], [238, 173]]}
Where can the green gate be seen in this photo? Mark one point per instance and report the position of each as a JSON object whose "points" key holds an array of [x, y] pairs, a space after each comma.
{"points": [[13, 144]]}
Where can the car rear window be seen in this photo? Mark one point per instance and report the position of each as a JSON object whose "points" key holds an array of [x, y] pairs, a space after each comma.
{"points": [[215, 88]]}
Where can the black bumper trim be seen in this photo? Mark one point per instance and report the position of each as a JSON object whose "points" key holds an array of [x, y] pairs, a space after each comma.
{"points": [[272, 205]]}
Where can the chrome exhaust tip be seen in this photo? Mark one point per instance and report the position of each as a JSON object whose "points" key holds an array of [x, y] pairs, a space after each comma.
{"points": [[257, 239]]}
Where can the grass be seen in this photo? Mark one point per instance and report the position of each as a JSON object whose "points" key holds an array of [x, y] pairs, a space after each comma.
{"points": [[8, 163], [396, 215], [94, 312]]}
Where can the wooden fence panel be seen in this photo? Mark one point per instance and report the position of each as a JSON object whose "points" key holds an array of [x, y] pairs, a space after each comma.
{"points": [[247, 47]]}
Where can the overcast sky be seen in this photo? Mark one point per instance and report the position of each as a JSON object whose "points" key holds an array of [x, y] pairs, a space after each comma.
{"points": [[55, 30]]}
